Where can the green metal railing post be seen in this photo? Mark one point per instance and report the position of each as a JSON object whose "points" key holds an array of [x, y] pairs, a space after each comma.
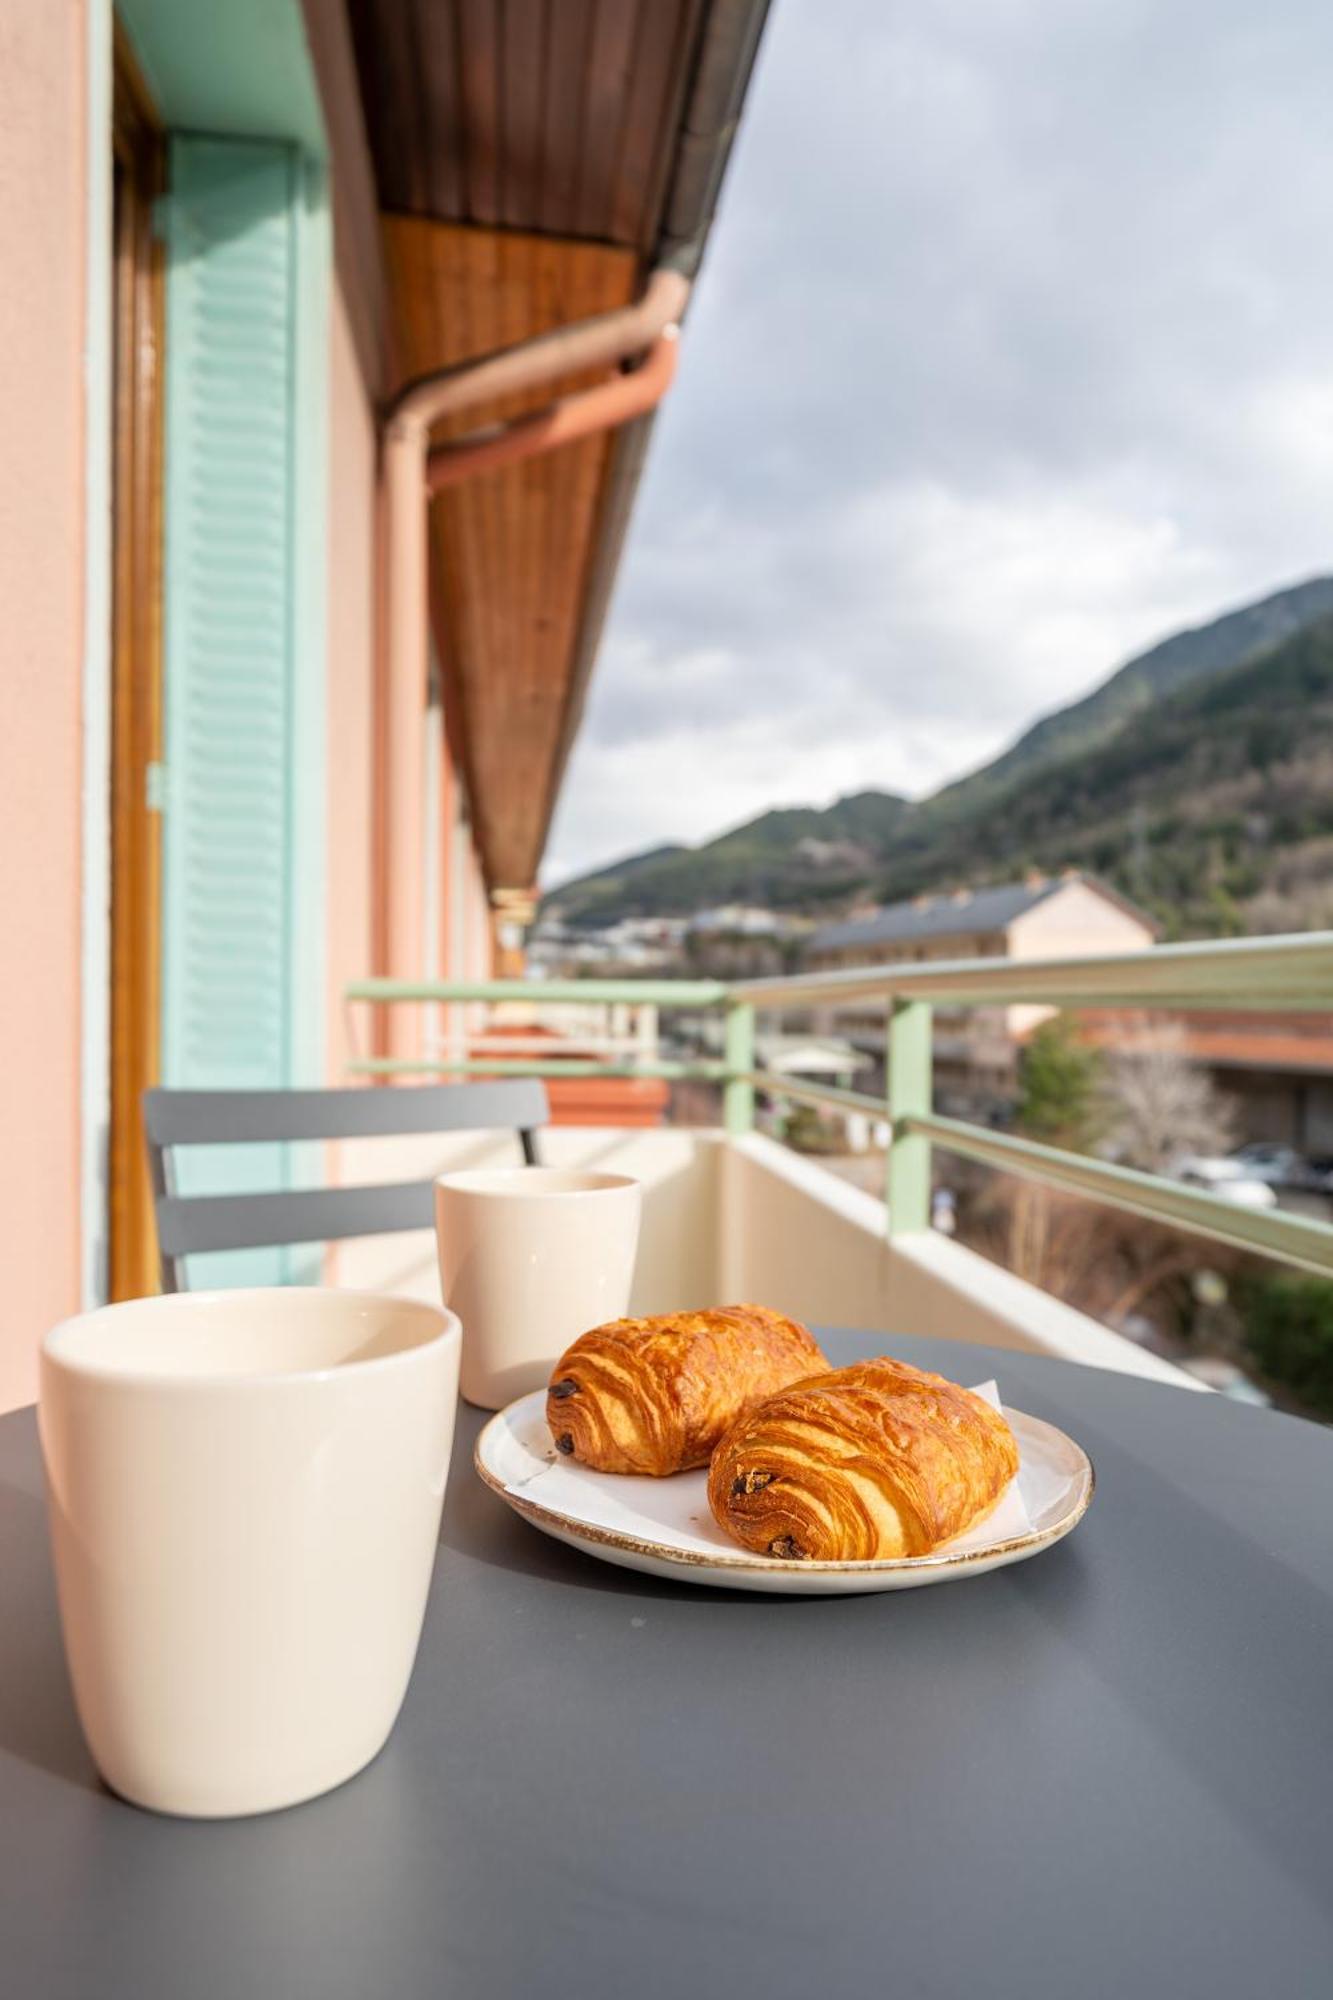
{"points": [[738, 1054], [910, 1090]]}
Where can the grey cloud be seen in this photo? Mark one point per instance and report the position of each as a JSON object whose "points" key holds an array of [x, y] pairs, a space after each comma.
{"points": [[1011, 352]]}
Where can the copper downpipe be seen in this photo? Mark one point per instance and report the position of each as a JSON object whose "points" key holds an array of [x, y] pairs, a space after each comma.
{"points": [[601, 342], [410, 472], [599, 409]]}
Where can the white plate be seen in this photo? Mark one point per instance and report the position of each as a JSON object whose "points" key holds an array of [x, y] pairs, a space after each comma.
{"points": [[664, 1527]]}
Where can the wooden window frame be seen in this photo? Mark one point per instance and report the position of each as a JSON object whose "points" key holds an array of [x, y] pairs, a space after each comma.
{"points": [[139, 292]]}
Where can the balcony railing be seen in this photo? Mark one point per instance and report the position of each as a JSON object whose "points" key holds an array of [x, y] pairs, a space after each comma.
{"points": [[1234, 975]]}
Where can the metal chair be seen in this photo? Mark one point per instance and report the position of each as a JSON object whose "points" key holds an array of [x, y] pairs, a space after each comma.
{"points": [[188, 1224]]}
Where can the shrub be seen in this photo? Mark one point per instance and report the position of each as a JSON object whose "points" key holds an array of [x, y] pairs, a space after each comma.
{"points": [[1059, 1087], [806, 1132], [1289, 1332]]}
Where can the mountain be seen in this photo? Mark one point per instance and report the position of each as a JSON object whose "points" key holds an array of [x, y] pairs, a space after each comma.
{"points": [[1189, 656], [793, 858], [1198, 779], [1216, 815]]}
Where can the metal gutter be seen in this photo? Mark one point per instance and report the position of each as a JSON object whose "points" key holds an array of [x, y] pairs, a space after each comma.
{"points": [[721, 79]]}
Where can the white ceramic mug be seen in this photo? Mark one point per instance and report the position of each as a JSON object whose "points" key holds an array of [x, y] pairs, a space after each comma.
{"points": [[245, 1492], [530, 1258]]}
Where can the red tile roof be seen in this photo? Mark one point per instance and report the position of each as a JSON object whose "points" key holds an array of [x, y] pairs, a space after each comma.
{"points": [[1286, 1041]]}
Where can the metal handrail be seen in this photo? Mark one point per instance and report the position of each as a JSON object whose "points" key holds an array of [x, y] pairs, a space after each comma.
{"points": [[1236, 974], [1295, 1239], [1266, 972], [551, 1066], [803, 1091], [546, 992]]}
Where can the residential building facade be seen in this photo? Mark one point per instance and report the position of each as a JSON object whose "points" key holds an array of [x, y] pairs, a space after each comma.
{"points": [[273, 719], [1042, 917]]}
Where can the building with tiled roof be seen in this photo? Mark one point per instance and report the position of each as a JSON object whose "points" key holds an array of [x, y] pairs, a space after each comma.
{"points": [[1043, 916]]}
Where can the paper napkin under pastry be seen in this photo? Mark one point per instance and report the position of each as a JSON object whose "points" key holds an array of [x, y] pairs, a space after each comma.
{"points": [[1009, 1517], [676, 1510]]}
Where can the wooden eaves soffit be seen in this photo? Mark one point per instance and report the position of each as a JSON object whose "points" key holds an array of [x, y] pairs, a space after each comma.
{"points": [[534, 161]]}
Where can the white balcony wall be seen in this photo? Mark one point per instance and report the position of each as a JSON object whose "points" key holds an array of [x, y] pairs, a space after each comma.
{"points": [[747, 1219], [796, 1235]]}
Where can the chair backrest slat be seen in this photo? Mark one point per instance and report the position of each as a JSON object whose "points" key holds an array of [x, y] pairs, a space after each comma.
{"points": [[187, 1224], [191, 1224], [235, 1117]]}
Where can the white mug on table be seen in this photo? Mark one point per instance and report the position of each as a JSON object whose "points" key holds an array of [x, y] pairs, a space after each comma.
{"points": [[245, 1492], [530, 1258]]}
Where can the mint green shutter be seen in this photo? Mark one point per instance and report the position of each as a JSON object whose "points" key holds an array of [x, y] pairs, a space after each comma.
{"points": [[243, 649]]}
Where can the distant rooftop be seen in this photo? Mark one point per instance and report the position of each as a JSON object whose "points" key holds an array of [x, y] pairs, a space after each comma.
{"points": [[961, 913]]}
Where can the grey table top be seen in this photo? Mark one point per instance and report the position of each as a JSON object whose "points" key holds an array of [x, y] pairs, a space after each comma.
{"points": [[1101, 1773]]}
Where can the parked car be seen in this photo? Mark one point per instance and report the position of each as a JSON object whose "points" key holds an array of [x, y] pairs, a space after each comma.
{"points": [[1228, 1179], [1277, 1167], [1283, 1166]]}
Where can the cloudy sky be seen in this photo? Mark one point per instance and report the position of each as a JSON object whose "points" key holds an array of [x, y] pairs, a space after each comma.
{"points": [[1013, 352]]}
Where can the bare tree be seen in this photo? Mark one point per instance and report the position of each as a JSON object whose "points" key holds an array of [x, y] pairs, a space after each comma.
{"points": [[1158, 1103], [1109, 1266], [1059, 1245]]}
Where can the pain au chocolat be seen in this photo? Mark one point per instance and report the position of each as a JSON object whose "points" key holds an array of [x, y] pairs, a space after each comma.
{"points": [[867, 1463], [655, 1395]]}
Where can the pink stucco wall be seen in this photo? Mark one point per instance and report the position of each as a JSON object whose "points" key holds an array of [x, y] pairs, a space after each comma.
{"points": [[449, 838], [351, 719], [351, 704], [479, 924], [42, 167]]}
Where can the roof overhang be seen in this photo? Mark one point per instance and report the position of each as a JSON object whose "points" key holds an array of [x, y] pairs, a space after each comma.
{"points": [[534, 159]]}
